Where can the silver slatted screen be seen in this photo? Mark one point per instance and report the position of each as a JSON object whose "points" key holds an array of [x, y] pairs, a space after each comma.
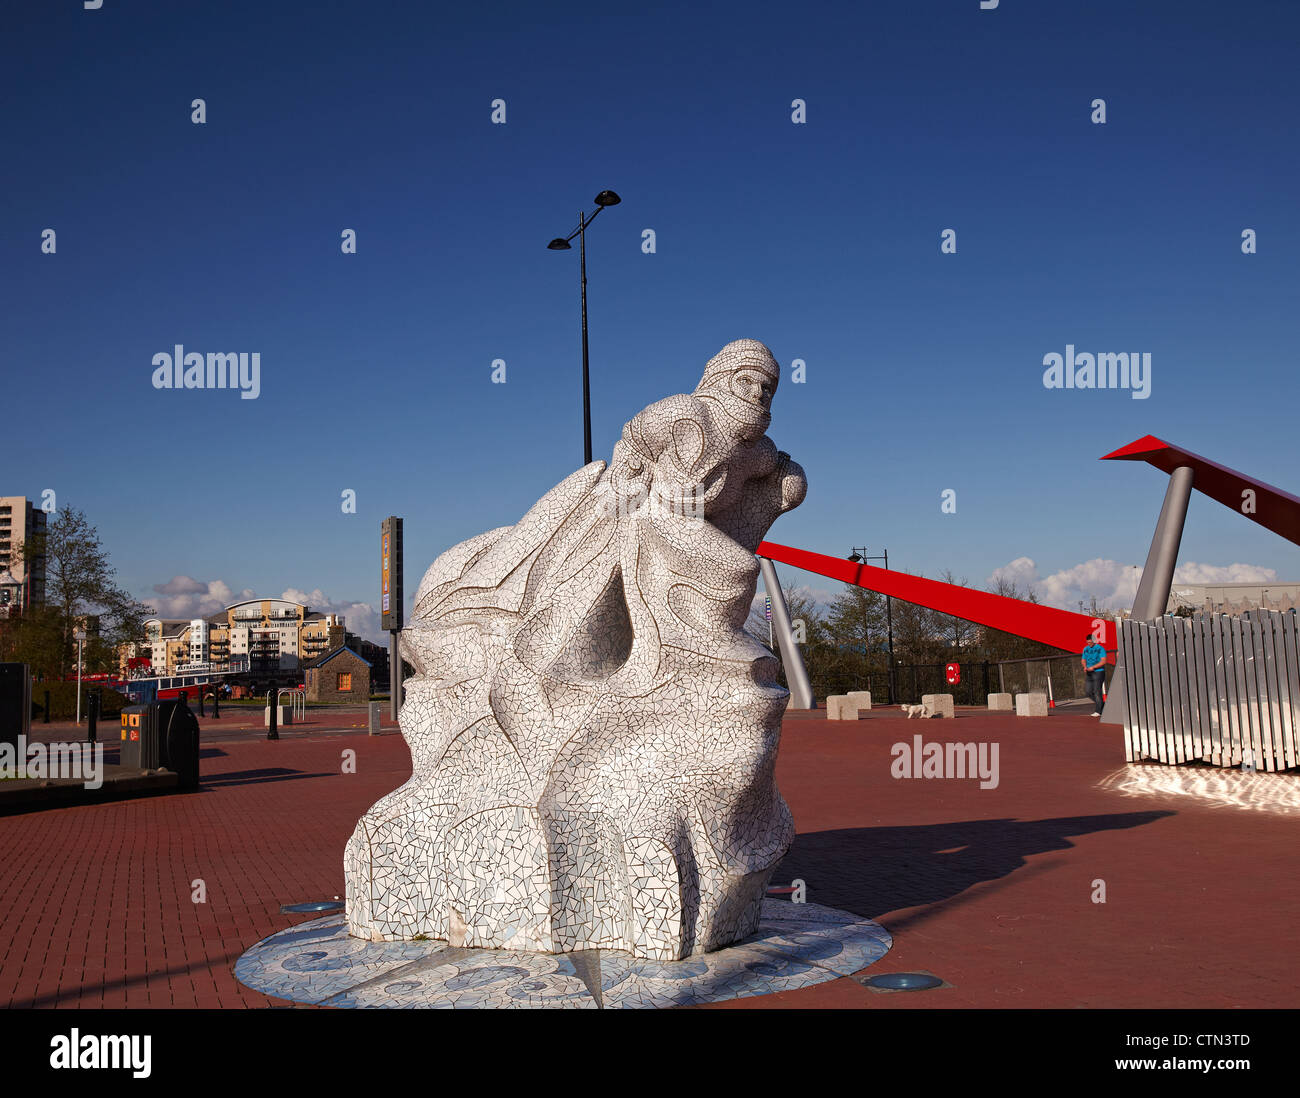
{"points": [[1215, 689]]}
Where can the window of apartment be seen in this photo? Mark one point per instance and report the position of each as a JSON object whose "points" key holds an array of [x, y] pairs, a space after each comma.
{"points": [[345, 680]]}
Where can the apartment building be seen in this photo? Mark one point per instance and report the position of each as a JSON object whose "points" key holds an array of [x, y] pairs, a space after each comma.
{"points": [[255, 635], [21, 584]]}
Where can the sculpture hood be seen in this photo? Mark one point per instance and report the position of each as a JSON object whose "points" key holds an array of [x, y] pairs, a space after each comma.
{"points": [[716, 384]]}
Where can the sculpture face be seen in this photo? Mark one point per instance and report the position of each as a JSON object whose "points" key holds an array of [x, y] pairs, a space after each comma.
{"points": [[593, 732], [754, 386], [740, 381]]}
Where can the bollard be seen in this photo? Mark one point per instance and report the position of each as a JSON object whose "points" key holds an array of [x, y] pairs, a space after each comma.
{"points": [[92, 715], [374, 717], [216, 703], [273, 731], [46, 718], [201, 713]]}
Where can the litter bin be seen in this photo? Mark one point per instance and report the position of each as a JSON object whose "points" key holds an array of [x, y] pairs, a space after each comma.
{"points": [[178, 742], [15, 702], [140, 737], [162, 734]]}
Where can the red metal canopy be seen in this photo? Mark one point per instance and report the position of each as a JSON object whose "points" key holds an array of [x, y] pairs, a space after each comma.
{"points": [[1273, 508], [1062, 628]]}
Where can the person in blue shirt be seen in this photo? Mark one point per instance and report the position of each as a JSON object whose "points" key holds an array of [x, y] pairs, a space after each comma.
{"points": [[1094, 663]]}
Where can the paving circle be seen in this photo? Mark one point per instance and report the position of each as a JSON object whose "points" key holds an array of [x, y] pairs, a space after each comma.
{"points": [[796, 945]]}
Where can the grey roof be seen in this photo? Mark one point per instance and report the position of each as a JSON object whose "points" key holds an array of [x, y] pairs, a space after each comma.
{"points": [[321, 661]]}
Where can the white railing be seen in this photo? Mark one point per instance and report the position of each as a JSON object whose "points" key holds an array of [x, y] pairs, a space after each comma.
{"points": [[297, 701]]}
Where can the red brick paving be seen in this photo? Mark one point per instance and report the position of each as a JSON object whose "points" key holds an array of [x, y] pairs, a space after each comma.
{"points": [[989, 889]]}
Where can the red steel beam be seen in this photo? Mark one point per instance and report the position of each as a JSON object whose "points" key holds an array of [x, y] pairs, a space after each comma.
{"points": [[1271, 507], [1060, 628]]}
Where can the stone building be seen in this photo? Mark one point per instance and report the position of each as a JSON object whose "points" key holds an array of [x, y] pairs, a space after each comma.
{"points": [[339, 675]]}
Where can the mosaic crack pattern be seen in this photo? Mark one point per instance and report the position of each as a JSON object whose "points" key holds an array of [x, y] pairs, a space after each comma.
{"points": [[593, 732], [795, 946]]}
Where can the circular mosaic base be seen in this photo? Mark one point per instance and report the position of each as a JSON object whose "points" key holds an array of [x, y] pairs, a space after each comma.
{"points": [[796, 945]]}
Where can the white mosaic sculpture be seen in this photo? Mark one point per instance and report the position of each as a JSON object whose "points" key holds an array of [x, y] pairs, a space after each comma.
{"points": [[592, 730]]}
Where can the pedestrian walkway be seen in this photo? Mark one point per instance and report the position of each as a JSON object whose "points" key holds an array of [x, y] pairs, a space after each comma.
{"points": [[991, 889]]}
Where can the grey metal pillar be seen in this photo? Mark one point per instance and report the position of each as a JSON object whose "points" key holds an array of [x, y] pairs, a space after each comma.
{"points": [[796, 675], [1157, 577], [394, 672]]}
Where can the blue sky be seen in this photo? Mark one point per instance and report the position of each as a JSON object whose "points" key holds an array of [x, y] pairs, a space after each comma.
{"points": [[924, 370]]}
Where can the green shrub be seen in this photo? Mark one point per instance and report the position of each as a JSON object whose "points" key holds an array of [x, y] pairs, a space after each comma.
{"points": [[63, 701]]}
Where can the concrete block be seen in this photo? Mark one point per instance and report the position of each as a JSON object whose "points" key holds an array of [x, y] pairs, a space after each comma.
{"points": [[1031, 705], [840, 708], [1001, 701], [860, 698], [939, 704], [283, 717]]}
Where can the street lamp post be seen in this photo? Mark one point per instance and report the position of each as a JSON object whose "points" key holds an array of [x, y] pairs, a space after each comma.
{"points": [[80, 634], [859, 556], [561, 244]]}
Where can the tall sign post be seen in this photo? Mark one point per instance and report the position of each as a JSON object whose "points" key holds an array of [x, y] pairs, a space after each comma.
{"points": [[392, 601]]}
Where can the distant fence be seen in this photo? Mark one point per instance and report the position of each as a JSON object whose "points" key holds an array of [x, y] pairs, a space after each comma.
{"points": [[1212, 689], [1030, 676], [978, 680]]}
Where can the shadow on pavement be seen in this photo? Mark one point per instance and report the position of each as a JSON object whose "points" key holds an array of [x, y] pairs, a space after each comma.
{"points": [[254, 777], [871, 871]]}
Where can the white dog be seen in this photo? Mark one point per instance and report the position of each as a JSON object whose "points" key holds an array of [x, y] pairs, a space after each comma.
{"points": [[917, 711]]}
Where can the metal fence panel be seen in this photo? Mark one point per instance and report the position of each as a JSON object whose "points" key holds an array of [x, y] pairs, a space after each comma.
{"points": [[1147, 697], [1215, 689], [1222, 727], [1225, 714], [1124, 641], [1236, 684], [1200, 722], [1284, 626], [1268, 684], [1178, 687]]}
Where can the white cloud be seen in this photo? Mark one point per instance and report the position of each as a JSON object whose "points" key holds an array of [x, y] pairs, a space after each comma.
{"points": [[1113, 583], [1022, 571], [186, 597], [360, 617], [1223, 573]]}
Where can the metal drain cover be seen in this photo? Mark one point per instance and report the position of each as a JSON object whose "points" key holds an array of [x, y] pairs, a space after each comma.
{"points": [[315, 906], [904, 981]]}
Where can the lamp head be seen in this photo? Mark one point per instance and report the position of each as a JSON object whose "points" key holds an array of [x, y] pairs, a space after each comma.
{"points": [[559, 244], [607, 198]]}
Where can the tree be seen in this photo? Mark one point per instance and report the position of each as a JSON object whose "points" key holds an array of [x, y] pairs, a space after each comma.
{"points": [[856, 621], [811, 636], [33, 638], [78, 583], [957, 632]]}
